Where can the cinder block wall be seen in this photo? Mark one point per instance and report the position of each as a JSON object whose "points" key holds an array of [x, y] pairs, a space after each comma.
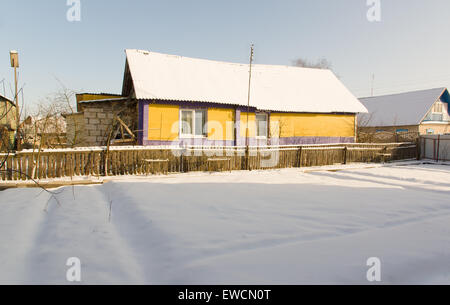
{"points": [[98, 121], [95, 121]]}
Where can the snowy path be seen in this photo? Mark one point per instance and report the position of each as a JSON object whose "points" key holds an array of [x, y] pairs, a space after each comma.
{"points": [[276, 227]]}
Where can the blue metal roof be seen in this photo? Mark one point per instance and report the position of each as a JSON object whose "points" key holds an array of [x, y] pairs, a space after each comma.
{"points": [[400, 109]]}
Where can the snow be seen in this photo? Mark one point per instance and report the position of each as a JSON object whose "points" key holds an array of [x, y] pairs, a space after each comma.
{"points": [[159, 76], [311, 226]]}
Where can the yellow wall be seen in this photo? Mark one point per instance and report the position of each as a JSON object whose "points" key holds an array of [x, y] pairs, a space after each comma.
{"points": [[163, 122], [286, 125], [251, 125], [221, 124]]}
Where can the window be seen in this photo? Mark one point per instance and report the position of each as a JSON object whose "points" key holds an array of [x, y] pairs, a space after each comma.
{"points": [[438, 107], [430, 131], [402, 130], [261, 125], [193, 123]]}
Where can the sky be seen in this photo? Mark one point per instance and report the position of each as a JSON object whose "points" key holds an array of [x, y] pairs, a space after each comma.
{"points": [[408, 49]]}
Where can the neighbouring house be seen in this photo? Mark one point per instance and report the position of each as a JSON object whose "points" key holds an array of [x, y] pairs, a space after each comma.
{"points": [[7, 123], [416, 113], [174, 100], [47, 132]]}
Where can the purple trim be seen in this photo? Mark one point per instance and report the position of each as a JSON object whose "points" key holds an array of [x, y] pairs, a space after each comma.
{"points": [[312, 140], [253, 142], [189, 142], [143, 124], [187, 104], [146, 123]]}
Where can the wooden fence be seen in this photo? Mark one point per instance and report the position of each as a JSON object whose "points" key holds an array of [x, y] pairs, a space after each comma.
{"points": [[117, 161]]}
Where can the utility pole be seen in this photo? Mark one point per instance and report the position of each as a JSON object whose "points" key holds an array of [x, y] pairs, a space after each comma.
{"points": [[247, 133], [14, 55]]}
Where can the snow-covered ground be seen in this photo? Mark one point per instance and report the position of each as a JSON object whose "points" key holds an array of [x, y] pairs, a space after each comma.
{"points": [[274, 227]]}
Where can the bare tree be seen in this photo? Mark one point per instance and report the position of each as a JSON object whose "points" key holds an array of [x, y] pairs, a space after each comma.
{"points": [[48, 128], [322, 63]]}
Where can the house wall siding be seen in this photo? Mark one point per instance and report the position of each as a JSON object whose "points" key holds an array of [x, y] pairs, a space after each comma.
{"points": [[288, 125], [437, 128], [221, 124], [161, 126], [163, 122]]}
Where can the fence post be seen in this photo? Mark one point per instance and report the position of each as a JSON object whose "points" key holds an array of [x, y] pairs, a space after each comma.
{"points": [[345, 154], [9, 168], [181, 161], [424, 152], [247, 158], [300, 157], [419, 148], [438, 147]]}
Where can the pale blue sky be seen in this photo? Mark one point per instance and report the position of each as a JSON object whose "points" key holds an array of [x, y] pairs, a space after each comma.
{"points": [[409, 49]]}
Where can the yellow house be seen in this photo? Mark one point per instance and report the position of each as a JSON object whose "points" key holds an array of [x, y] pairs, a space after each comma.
{"points": [[180, 101]]}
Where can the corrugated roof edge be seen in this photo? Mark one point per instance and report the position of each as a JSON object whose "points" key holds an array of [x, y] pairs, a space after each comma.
{"points": [[401, 93], [105, 100], [238, 106], [90, 93]]}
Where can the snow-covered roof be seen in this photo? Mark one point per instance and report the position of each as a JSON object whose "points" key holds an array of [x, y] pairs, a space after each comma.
{"points": [[158, 76], [408, 108], [3, 98]]}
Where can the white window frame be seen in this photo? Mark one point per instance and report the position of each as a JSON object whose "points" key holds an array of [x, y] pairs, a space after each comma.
{"points": [[267, 126], [193, 135], [438, 105]]}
